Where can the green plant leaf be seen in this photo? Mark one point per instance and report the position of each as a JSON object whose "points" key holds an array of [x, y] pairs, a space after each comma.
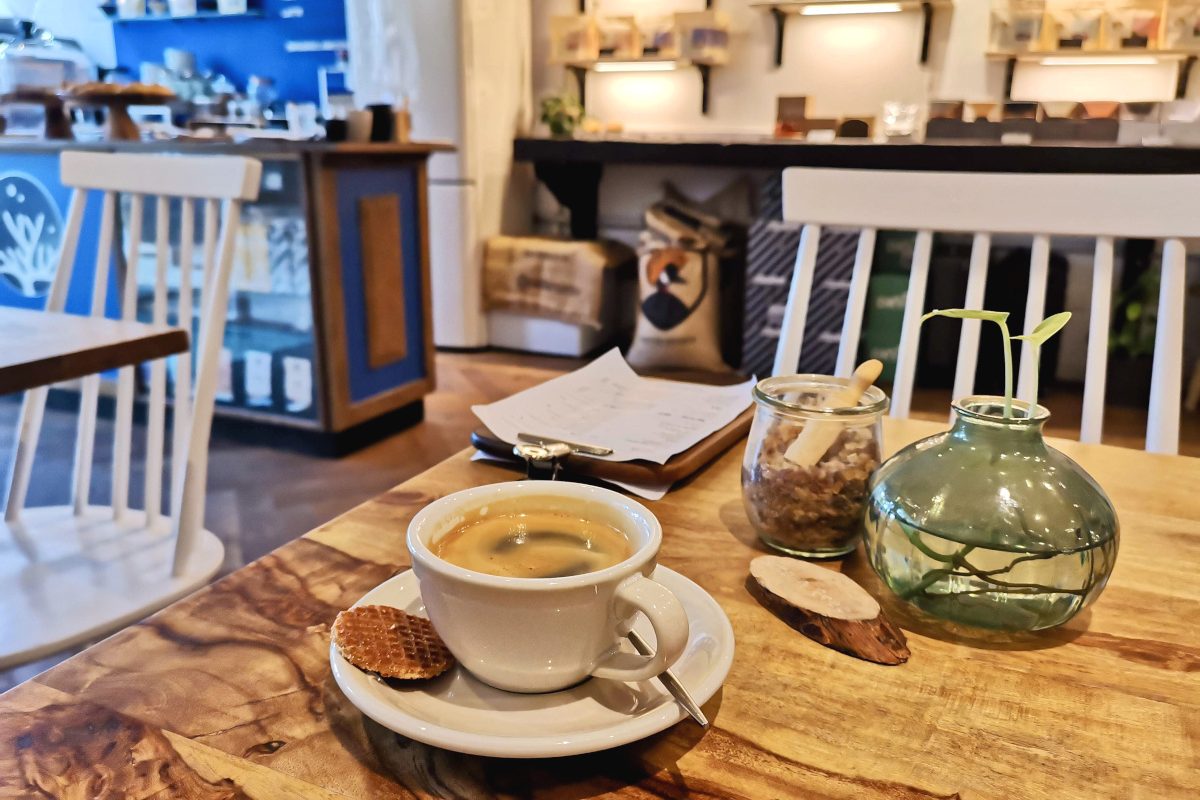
{"points": [[999, 317], [1046, 328]]}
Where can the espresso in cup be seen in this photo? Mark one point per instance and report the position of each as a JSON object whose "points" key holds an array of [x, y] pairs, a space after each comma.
{"points": [[537, 544]]}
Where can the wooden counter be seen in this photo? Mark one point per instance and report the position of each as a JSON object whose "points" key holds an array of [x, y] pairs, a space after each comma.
{"points": [[572, 168], [770, 153]]}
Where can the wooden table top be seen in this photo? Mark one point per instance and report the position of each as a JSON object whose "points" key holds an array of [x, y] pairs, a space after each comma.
{"points": [[228, 693], [38, 348]]}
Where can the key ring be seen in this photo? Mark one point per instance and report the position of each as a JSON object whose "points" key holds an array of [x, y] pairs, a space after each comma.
{"points": [[543, 461]]}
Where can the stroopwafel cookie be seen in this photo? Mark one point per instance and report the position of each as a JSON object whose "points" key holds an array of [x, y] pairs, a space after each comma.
{"points": [[391, 643]]}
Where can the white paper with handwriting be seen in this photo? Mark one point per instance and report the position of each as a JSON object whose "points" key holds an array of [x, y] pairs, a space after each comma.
{"points": [[606, 403]]}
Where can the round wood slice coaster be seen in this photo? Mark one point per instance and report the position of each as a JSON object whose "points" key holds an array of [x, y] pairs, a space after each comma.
{"points": [[828, 608]]}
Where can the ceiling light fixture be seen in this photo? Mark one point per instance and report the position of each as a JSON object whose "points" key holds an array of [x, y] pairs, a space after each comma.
{"points": [[635, 66], [850, 8]]}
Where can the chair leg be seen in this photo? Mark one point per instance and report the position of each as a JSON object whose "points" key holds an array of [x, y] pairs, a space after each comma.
{"points": [[29, 428]]}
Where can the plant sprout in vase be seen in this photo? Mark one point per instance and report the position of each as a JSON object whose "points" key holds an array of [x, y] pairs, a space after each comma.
{"points": [[985, 524]]}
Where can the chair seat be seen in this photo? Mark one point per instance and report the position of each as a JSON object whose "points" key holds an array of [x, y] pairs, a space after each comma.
{"points": [[67, 579]]}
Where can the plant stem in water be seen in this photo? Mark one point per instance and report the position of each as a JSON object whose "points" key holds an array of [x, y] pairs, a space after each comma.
{"points": [[1008, 372]]}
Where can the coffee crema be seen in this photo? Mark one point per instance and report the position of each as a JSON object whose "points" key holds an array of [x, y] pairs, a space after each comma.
{"points": [[539, 544]]}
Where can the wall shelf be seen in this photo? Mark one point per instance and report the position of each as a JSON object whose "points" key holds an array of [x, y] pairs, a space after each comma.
{"points": [[645, 64], [783, 9], [1084, 55], [1186, 60]]}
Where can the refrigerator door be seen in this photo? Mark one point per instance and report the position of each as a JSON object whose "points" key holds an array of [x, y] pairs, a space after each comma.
{"points": [[474, 89], [437, 103], [456, 267]]}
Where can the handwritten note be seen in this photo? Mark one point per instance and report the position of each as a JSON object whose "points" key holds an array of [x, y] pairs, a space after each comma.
{"points": [[606, 403]]}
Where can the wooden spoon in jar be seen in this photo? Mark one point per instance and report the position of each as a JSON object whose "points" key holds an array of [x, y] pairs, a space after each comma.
{"points": [[818, 436]]}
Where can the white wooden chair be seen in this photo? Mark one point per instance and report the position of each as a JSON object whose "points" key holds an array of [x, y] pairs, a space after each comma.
{"points": [[70, 573], [1103, 207]]}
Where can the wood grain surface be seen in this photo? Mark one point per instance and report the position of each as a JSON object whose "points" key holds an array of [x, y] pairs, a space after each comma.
{"points": [[38, 348], [228, 693]]}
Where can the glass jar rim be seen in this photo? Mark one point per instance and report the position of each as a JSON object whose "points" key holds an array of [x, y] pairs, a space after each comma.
{"points": [[990, 408], [770, 392]]}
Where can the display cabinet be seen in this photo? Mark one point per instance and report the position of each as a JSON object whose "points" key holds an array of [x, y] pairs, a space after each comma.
{"points": [[328, 338]]}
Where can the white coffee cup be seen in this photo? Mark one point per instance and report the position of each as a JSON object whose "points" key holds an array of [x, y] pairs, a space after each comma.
{"points": [[545, 634]]}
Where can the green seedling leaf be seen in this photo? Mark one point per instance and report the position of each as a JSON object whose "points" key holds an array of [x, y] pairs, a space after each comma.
{"points": [[1046, 329], [1001, 319], [998, 317]]}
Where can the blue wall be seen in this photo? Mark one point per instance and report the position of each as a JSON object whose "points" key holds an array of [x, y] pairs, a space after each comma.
{"points": [[239, 47]]}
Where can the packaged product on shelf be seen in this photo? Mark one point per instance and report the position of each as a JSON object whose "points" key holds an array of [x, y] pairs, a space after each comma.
{"points": [[1016, 25], [620, 38], [574, 40], [224, 392], [660, 38], [705, 36], [257, 378], [252, 264], [1183, 25], [1079, 26], [1135, 23], [297, 384]]}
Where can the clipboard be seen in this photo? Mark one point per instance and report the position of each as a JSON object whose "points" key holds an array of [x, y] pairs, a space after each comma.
{"points": [[678, 466]]}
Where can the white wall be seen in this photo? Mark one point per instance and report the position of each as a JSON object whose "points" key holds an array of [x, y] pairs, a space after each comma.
{"points": [[846, 65]]}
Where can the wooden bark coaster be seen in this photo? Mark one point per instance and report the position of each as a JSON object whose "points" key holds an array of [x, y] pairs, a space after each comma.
{"points": [[827, 607]]}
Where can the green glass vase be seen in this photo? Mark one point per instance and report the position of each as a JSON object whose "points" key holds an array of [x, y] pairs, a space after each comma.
{"points": [[987, 526]]}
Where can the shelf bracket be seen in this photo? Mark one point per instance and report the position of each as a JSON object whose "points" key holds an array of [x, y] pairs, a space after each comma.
{"points": [[1010, 69], [580, 74], [926, 30], [780, 17], [705, 79], [1185, 75]]}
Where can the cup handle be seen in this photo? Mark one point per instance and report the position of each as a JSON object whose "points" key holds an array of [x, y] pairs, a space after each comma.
{"points": [[666, 616]]}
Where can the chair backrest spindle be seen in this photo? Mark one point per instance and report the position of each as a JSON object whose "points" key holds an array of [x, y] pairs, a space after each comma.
{"points": [[791, 337], [182, 414], [968, 343], [1097, 353], [910, 327], [1035, 310], [123, 422], [856, 302], [156, 409], [89, 396], [187, 496], [1166, 381]]}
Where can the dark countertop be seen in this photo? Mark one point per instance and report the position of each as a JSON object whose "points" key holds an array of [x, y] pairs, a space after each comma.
{"points": [[768, 153]]}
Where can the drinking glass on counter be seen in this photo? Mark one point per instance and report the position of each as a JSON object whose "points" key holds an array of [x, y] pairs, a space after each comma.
{"points": [[899, 119]]}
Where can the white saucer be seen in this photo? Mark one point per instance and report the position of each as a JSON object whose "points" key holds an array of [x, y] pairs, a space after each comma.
{"points": [[460, 713]]}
